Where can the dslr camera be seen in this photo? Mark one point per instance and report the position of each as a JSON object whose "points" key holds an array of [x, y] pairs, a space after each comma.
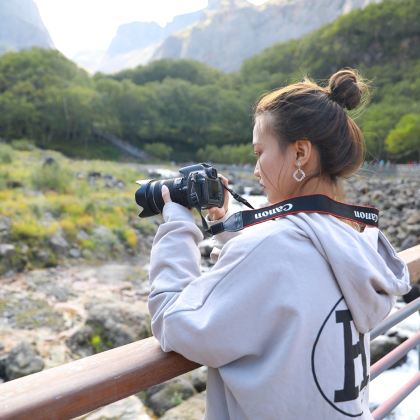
{"points": [[198, 187]]}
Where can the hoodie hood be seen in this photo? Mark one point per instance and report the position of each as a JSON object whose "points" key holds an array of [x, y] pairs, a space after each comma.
{"points": [[368, 271]]}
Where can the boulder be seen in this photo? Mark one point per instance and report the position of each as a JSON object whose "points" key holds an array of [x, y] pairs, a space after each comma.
{"points": [[409, 241], [191, 409], [383, 344], [109, 325], [7, 250], [106, 242], [58, 242], [127, 409], [199, 378], [5, 224], [22, 360], [75, 253], [162, 397]]}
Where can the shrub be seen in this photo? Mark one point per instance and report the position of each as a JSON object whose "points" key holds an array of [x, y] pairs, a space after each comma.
{"points": [[30, 228], [52, 177], [69, 228], [159, 150], [232, 154], [6, 153], [22, 144], [129, 237]]}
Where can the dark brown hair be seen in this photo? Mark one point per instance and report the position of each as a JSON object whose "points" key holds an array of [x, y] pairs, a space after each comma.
{"points": [[306, 110]]}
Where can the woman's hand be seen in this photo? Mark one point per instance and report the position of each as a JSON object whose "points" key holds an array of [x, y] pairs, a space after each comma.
{"points": [[166, 194], [216, 213]]}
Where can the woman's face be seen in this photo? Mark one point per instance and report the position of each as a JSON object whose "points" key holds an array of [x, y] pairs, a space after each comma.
{"points": [[274, 166]]}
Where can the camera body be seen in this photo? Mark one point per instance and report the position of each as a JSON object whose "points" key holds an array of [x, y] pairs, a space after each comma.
{"points": [[199, 187]]}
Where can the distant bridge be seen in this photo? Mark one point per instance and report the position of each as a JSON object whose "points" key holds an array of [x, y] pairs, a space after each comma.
{"points": [[122, 145]]}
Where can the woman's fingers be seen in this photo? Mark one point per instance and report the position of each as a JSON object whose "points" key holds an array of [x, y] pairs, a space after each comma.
{"points": [[216, 213], [165, 194]]}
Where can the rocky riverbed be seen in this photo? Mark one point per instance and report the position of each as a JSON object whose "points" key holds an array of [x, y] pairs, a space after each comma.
{"points": [[52, 316]]}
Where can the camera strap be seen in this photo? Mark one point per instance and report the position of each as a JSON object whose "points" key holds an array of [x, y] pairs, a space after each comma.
{"points": [[317, 203]]}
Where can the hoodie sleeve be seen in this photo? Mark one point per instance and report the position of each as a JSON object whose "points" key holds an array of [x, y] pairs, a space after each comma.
{"points": [[193, 313]]}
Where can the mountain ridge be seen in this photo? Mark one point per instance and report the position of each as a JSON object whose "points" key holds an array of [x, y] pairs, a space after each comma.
{"points": [[22, 26], [227, 32]]}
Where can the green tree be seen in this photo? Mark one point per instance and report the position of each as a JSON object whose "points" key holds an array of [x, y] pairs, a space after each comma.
{"points": [[405, 136], [160, 150]]}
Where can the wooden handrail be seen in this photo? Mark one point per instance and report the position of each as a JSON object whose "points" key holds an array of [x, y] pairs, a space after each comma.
{"points": [[78, 387], [411, 257]]}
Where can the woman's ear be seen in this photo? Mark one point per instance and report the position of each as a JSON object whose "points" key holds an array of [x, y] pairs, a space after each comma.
{"points": [[303, 150]]}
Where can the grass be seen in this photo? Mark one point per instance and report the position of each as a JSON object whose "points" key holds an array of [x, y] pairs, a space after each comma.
{"points": [[44, 194]]}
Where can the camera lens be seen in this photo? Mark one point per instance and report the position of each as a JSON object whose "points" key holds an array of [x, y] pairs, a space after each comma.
{"points": [[149, 195]]}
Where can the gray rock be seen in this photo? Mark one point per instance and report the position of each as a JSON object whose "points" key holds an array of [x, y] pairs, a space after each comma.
{"points": [[58, 242], [7, 250], [199, 378], [409, 241], [75, 253], [5, 224], [45, 258], [41, 281], [414, 218], [383, 344], [109, 325], [106, 241], [130, 408], [82, 235], [23, 360], [191, 409], [169, 394]]}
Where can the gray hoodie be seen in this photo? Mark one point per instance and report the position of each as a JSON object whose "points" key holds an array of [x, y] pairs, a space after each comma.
{"points": [[282, 320]]}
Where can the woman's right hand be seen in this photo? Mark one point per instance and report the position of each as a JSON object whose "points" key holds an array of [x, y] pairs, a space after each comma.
{"points": [[216, 213]]}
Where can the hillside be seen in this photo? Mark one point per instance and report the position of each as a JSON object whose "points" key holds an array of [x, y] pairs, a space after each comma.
{"points": [[185, 110]]}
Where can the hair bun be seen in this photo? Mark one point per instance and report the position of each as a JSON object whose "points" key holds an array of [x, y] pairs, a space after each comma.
{"points": [[346, 88]]}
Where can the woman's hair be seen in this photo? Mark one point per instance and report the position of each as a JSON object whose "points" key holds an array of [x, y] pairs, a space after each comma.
{"points": [[306, 110]]}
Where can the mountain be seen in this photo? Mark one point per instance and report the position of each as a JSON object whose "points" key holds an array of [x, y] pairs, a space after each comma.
{"points": [[225, 33], [21, 26], [233, 34], [136, 42]]}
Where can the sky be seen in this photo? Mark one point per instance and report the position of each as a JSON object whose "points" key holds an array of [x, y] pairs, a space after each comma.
{"points": [[90, 25]]}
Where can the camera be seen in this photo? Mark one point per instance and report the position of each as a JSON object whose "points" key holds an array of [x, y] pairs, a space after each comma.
{"points": [[198, 187]]}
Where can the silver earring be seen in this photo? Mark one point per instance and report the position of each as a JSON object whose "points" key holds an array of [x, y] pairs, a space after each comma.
{"points": [[299, 175]]}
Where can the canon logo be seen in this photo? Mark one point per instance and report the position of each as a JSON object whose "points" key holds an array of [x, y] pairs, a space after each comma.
{"points": [[366, 216], [272, 212]]}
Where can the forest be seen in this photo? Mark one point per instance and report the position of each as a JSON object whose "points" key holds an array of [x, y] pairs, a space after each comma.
{"points": [[184, 110]]}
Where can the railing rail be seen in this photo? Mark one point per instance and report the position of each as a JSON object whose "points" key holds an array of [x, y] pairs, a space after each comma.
{"points": [[395, 318], [78, 387]]}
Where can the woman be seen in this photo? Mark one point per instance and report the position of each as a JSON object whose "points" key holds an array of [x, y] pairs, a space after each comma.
{"points": [[283, 318]]}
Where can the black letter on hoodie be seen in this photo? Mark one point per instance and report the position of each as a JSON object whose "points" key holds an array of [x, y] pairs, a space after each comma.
{"points": [[350, 391]]}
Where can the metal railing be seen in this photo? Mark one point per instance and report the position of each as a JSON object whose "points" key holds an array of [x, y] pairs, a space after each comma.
{"points": [[83, 385]]}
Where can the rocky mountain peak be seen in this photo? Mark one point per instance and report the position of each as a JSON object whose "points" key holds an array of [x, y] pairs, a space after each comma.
{"points": [[227, 4], [21, 26]]}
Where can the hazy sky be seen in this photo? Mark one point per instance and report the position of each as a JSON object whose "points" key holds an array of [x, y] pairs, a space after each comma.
{"points": [[83, 25]]}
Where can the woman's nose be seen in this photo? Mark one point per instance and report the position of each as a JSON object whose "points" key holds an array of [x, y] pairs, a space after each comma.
{"points": [[257, 170]]}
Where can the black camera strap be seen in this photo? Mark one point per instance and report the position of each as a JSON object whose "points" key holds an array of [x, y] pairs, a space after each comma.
{"points": [[318, 203]]}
